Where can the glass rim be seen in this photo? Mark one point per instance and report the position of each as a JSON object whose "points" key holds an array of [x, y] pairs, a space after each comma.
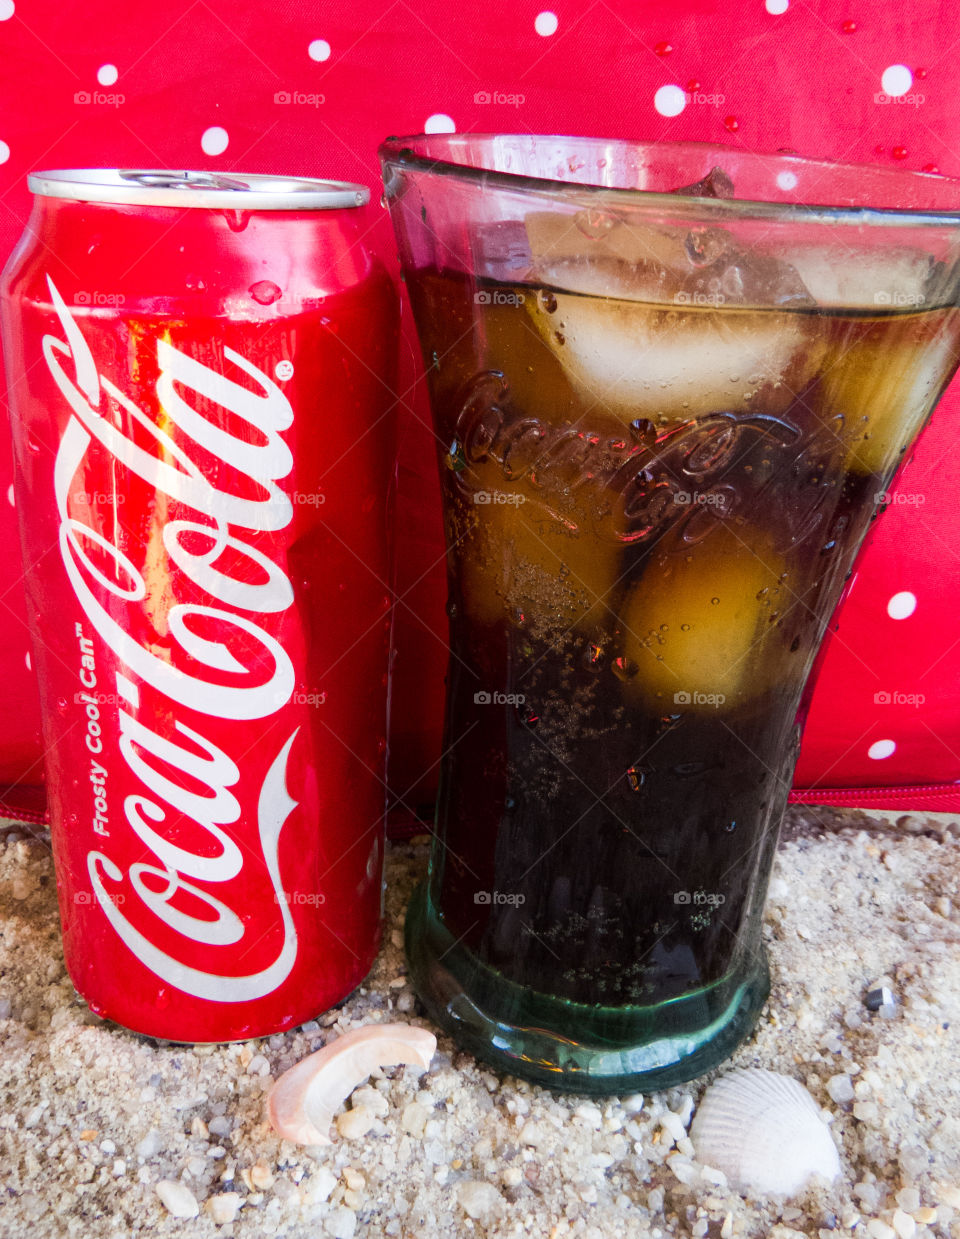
{"points": [[400, 152]]}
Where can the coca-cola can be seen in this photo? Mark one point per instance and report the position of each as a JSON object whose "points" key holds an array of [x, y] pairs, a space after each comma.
{"points": [[200, 372]]}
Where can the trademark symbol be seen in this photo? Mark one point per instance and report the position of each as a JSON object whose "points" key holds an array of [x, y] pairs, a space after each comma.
{"points": [[284, 369]]}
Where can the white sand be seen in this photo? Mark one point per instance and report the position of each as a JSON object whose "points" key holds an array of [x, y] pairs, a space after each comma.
{"points": [[103, 1133]]}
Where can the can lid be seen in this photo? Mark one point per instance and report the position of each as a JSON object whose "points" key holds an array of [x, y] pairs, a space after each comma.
{"points": [[161, 187]]}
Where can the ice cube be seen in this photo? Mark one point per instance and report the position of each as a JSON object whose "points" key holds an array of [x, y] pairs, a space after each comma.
{"points": [[744, 279], [883, 378], [642, 361], [622, 255], [586, 237], [536, 557], [855, 277], [696, 627]]}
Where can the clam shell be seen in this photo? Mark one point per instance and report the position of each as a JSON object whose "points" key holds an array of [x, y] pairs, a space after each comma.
{"points": [[302, 1103], [764, 1131]]}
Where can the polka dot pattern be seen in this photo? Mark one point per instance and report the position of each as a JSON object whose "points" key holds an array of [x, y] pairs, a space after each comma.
{"points": [[880, 750], [761, 74], [902, 605], [439, 122], [670, 100], [214, 141], [896, 80]]}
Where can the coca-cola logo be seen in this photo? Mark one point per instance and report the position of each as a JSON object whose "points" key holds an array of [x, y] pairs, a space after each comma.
{"points": [[216, 634], [688, 475]]}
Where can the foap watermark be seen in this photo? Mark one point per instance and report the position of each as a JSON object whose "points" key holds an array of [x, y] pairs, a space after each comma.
{"points": [[100, 699], [901, 498], [508, 99], [709, 99], [87, 897], [483, 698], [698, 699], [712, 298], [95, 297], [299, 99], [97, 497], [705, 499], [712, 899], [99, 98], [498, 296], [499, 497], [896, 698], [499, 897], [308, 498], [308, 699], [293, 899], [911, 100], [898, 297]]}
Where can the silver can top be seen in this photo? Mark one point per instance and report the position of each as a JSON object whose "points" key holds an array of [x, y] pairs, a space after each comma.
{"points": [[237, 191]]}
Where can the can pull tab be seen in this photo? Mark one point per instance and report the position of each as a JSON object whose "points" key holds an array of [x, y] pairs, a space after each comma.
{"points": [[163, 179]]}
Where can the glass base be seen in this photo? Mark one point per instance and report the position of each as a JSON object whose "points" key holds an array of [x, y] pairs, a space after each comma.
{"points": [[574, 1047]]}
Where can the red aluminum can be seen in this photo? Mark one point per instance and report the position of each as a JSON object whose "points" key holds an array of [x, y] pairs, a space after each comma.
{"points": [[200, 376]]}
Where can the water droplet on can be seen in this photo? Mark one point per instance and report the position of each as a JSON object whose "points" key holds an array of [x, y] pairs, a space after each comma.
{"points": [[547, 302]]}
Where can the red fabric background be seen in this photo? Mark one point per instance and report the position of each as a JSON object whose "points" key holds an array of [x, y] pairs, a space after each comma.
{"points": [[806, 78]]}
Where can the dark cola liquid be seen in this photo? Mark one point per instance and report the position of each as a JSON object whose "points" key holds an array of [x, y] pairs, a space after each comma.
{"points": [[650, 512]]}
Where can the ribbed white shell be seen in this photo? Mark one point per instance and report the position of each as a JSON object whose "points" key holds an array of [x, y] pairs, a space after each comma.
{"points": [[764, 1131]]}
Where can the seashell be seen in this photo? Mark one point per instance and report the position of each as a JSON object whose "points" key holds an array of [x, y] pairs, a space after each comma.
{"points": [[302, 1103], [764, 1131]]}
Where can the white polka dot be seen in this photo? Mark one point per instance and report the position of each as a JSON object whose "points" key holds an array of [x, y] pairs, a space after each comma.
{"points": [[787, 180], [10, 498], [4, 152], [881, 749], [670, 100], [319, 49], [902, 605], [776, 7], [439, 122], [6, 10], [283, 369], [896, 80], [28, 660], [107, 75], [546, 23], [215, 140]]}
